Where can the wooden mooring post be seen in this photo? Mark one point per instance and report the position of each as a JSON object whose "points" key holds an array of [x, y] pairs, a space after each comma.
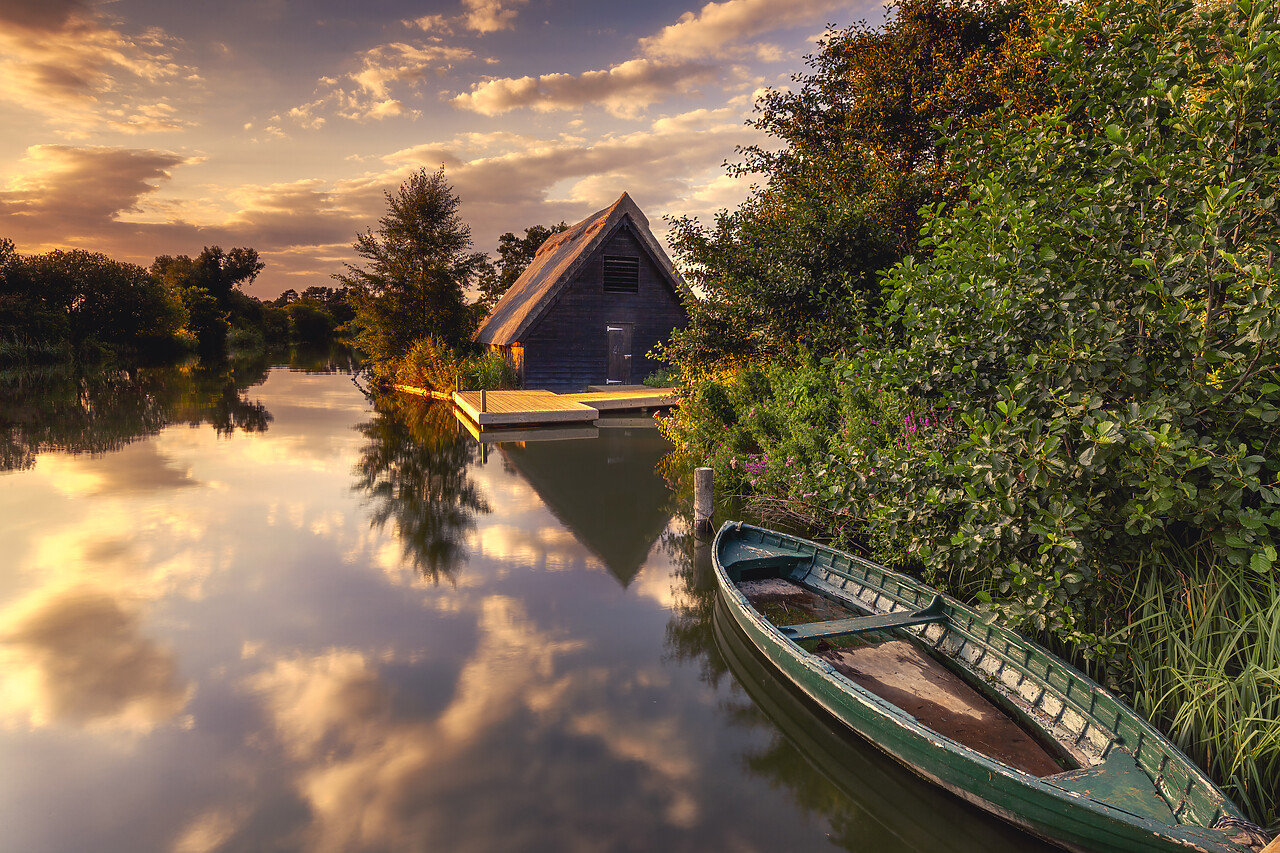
{"points": [[703, 502]]}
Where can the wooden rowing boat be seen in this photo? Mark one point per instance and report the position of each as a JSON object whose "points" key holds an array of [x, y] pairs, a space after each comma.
{"points": [[888, 808], [968, 704]]}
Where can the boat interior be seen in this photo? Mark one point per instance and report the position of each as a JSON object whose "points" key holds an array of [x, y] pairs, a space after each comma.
{"points": [[957, 680]]}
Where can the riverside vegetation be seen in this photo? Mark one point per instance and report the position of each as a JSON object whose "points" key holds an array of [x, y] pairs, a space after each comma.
{"points": [[407, 309], [1002, 312], [413, 319], [81, 307]]}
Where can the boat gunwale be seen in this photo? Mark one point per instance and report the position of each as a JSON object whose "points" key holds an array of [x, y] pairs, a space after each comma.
{"points": [[1194, 834]]}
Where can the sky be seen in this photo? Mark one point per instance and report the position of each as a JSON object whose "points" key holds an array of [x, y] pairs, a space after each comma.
{"points": [[139, 128]]}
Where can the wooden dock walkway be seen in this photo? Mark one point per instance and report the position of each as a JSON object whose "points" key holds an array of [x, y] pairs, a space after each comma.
{"points": [[530, 408]]}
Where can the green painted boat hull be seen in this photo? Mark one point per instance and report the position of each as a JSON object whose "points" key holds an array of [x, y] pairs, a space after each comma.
{"points": [[1171, 804]]}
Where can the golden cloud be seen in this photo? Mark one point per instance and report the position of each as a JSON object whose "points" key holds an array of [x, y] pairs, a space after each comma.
{"points": [[720, 29], [79, 186], [360, 762], [65, 63], [488, 16], [480, 16], [624, 90], [395, 64], [403, 63]]}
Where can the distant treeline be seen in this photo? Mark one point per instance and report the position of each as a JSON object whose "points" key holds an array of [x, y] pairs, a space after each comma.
{"points": [[83, 306]]}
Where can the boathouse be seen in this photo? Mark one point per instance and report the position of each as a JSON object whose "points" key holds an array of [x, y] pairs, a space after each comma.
{"points": [[590, 306]]}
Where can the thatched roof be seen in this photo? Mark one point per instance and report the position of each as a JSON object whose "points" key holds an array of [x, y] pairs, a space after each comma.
{"points": [[555, 265]]}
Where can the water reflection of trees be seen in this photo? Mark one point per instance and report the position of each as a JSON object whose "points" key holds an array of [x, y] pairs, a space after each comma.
{"points": [[414, 468], [688, 635], [331, 357], [73, 411]]}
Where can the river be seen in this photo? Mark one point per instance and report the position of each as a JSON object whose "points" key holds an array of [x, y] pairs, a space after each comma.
{"points": [[253, 609]]}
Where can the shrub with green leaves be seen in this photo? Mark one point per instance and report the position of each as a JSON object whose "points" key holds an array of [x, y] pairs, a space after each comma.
{"points": [[432, 363], [774, 435], [1100, 318], [429, 363]]}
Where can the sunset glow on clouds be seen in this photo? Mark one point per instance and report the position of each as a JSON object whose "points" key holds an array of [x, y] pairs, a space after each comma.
{"points": [[143, 127]]}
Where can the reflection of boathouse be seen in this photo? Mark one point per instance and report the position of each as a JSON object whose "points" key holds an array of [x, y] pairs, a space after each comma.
{"points": [[592, 304], [604, 490]]}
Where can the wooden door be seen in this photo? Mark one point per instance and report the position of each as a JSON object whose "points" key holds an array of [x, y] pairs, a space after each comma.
{"points": [[619, 335]]}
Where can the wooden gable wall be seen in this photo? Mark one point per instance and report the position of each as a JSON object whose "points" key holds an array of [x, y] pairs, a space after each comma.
{"points": [[567, 348]]}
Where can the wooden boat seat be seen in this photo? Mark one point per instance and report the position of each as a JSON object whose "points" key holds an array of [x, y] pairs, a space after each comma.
{"points": [[935, 612], [1118, 781]]}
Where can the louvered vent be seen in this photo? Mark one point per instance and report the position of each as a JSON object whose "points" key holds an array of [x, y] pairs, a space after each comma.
{"points": [[621, 275]]}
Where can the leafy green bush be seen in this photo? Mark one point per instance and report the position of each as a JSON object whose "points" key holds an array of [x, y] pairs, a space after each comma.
{"points": [[776, 435], [665, 378], [429, 363], [309, 321], [246, 339], [1099, 319]]}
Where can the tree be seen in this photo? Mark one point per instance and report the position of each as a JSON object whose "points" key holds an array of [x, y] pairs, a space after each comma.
{"points": [[1099, 318], [514, 256], [107, 304], [862, 151], [337, 301], [214, 270], [210, 288], [417, 270], [206, 321], [415, 469], [33, 318], [309, 321]]}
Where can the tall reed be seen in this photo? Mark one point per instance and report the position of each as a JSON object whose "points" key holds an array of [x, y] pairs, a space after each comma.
{"points": [[489, 370], [1200, 658]]}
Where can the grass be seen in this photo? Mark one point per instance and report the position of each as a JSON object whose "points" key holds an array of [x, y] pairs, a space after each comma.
{"points": [[1201, 659], [19, 350], [431, 363]]}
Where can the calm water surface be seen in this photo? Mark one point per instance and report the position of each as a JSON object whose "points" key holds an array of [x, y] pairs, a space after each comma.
{"points": [[250, 609]]}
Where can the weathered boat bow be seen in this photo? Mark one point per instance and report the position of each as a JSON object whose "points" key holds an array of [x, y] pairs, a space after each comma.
{"points": [[968, 704]]}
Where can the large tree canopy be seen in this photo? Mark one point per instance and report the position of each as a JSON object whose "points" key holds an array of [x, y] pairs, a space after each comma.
{"points": [[83, 302], [418, 266], [863, 150], [216, 271], [1102, 313]]}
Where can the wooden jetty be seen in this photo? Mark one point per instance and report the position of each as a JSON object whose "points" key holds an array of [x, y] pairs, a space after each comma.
{"points": [[491, 409], [481, 410]]}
